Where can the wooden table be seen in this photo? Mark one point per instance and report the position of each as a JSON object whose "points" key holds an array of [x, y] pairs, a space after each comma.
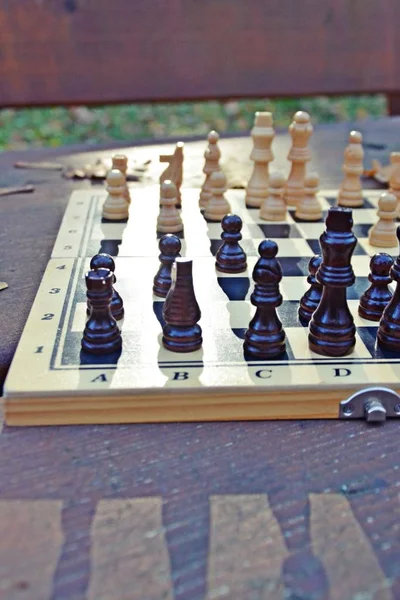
{"points": [[264, 510]]}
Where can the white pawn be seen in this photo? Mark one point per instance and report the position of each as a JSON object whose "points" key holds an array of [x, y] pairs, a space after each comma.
{"points": [[169, 220], [212, 156], [383, 233], [350, 192], [120, 162], [309, 207], [274, 206], [115, 207], [217, 206], [394, 181], [300, 130], [263, 135]]}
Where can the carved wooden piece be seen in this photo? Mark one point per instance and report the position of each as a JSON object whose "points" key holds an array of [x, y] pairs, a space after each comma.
{"points": [[389, 327], [181, 311], [375, 299], [332, 330], [115, 207], [218, 206], [263, 135], [311, 299], [230, 257], [212, 156], [265, 337], [169, 219], [174, 171], [309, 207], [350, 192], [120, 162], [170, 247], [274, 206], [300, 130], [101, 334], [394, 181], [383, 233], [105, 261]]}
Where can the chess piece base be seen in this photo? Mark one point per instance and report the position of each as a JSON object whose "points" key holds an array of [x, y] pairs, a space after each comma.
{"points": [[181, 338]]}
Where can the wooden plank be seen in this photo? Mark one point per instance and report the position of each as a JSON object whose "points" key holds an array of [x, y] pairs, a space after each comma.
{"points": [[30, 542], [97, 52], [349, 560], [129, 554], [247, 549]]}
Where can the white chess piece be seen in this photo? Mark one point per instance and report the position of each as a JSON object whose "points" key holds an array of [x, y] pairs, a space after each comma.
{"points": [[350, 191], [300, 130], [218, 206], [115, 207], [263, 135], [383, 233], [394, 181], [212, 156], [169, 219], [274, 206], [120, 162], [309, 207]]}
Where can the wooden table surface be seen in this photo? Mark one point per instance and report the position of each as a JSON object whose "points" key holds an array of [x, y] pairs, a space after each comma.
{"points": [[264, 510]]}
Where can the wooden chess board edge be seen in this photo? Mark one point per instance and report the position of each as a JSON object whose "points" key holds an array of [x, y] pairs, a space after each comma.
{"points": [[160, 408]]}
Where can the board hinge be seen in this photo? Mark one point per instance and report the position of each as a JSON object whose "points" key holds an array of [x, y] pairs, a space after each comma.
{"points": [[374, 404]]}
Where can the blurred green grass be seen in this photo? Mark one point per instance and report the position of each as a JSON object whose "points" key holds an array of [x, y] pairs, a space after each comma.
{"points": [[35, 127]]}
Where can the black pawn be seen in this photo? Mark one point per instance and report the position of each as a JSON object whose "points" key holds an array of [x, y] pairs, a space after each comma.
{"points": [[332, 330], [105, 261], [265, 337], [170, 247], [231, 257], [101, 334], [375, 299], [181, 311], [389, 326], [310, 300]]}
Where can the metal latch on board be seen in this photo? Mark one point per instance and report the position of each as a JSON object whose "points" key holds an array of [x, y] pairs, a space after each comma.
{"points": [[372, 404]]}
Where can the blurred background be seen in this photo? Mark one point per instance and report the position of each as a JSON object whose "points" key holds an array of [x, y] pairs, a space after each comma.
{"points": [[34, 127]]}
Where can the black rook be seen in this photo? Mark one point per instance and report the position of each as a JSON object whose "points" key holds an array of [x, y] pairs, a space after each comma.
{"points": [[181, 311], [332, 330]]}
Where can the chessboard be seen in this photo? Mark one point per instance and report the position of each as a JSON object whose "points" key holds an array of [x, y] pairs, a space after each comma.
{"points": [[51, 381]]}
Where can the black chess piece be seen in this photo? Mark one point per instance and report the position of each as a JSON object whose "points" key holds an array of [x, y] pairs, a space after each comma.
{"points": [[170, 247], [332, 330], [101, 334], [265, 337], [230, 257], [375, 299], [389, 326], [105, 261], [181, 311], [310, 300]]}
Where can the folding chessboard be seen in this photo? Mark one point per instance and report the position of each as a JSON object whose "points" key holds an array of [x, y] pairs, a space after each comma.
{"points": [[52, 382]]}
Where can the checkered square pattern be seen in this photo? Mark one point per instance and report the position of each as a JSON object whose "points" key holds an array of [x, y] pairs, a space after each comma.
{"points": [[225, 300]]}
